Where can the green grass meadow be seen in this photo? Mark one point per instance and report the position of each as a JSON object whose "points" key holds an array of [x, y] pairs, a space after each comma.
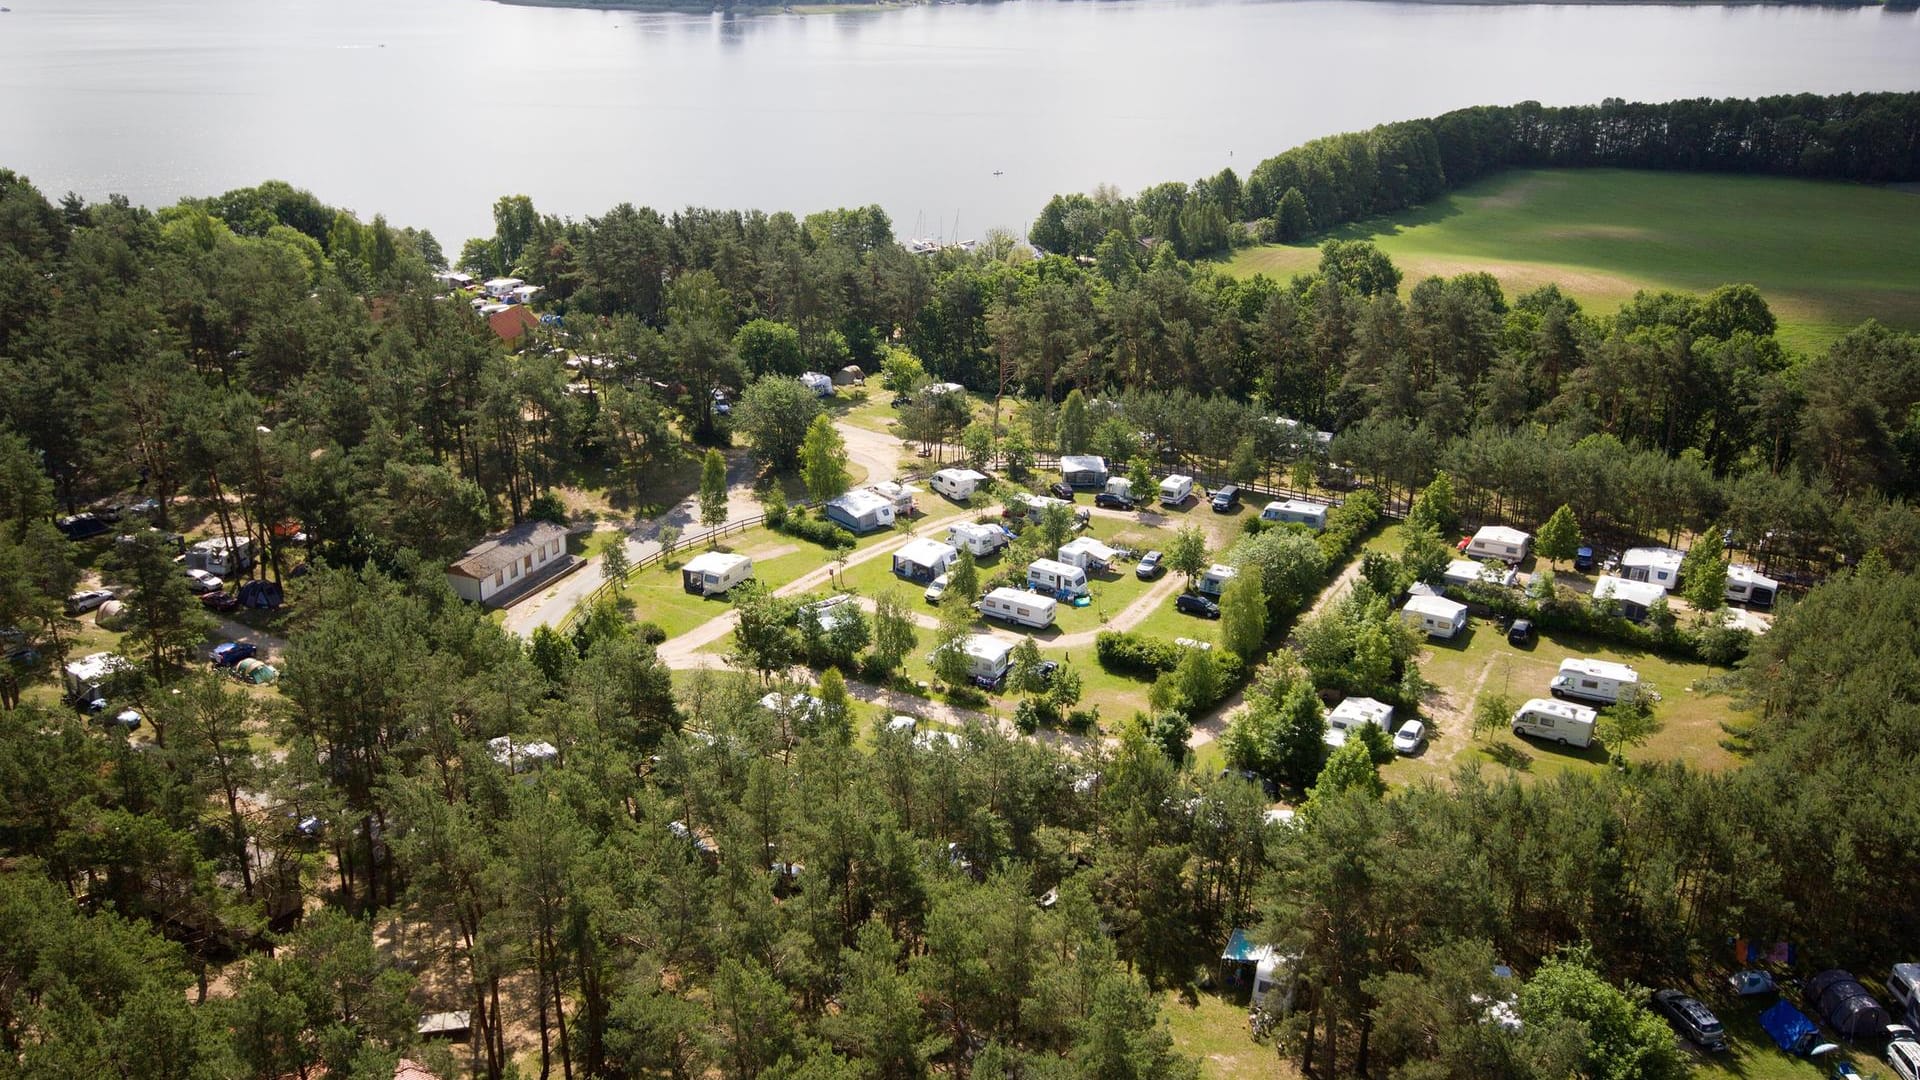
{"points": [[1826, 254]]}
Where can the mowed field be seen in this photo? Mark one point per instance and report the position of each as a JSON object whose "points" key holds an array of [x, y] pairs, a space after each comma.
{"points": [[1825, 254]]}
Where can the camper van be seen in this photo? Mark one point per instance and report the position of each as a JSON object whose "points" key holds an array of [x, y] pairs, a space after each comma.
{"points": [[1559, 721], [1056, 578], [957, 484], [1436, 616], [1014, 606], [979, 539], [1599, 681], [1297, 511], [1903, 986], [1214, 581], [712, 573], [1510, 546], [1175, 490]]}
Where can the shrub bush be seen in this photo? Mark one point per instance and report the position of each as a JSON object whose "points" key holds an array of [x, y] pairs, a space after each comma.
{"points": [[799, 524]]}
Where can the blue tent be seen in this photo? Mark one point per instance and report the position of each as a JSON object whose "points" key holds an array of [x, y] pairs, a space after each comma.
{"points": [[1789, 1027]]}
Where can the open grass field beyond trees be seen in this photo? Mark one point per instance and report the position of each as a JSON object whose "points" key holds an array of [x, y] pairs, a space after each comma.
{"points": [[1825, 254]]}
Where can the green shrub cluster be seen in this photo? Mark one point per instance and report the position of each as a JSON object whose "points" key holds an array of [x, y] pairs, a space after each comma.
{"points": [[799, 524]]}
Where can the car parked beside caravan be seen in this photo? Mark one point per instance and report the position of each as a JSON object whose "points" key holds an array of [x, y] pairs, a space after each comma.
{"points": [[1557, 721]]}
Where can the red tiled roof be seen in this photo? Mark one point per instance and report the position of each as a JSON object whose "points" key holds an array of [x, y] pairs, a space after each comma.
{"points": [[512, 323]]}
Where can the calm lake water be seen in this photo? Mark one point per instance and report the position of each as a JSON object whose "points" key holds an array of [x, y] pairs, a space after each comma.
{"points": [[954, 118]]}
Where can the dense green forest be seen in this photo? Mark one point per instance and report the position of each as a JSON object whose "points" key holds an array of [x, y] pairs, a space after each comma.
{"points": [[697, 885]]}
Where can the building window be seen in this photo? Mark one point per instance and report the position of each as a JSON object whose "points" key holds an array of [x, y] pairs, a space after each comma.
{"points": [[499, 578]]}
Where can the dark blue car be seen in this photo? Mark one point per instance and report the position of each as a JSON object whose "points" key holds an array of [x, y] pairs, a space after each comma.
{"points": [[229, 653], [1583, 559]]}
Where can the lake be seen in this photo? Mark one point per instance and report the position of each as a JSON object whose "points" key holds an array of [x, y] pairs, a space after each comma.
{"points": [[955, 118]]}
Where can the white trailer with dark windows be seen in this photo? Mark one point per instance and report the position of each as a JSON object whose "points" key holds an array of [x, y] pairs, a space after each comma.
{"points": [[988, 656], [1745, 585], [1298, 512], [1355, 712], [712, 573], [924, 559], [1599, 681], [1510, 546], [1214, 581], [1653, 565], [1084, 471], [980, 539], [900, 495], [1057, 579], [1015, 606], [1175, 490], [1634, 598], [1035, 507], [1556, 721], [957, 484], [861, 511], [1436, 616]]}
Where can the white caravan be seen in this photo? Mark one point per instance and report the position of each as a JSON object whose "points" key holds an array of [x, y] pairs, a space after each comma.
{"points": [[1437, 616], [979, 539], [712, 573], [957, 484], [1559, 721], [1297, 511], [1176, 489], [1056, 578], [1015, 606], [1510, 546]]}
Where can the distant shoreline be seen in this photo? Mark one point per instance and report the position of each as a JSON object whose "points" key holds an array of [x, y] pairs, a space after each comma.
{"points": [[695, 7]]}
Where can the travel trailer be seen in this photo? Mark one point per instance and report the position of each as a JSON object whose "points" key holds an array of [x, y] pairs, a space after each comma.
{"points": [[1437, 616], [1468, 572], [988, 657], [900, 495], [979, 539], [818, 382], [1510, 546], [1214, 581], [1015, 606], [1598, 681], [1175, 490], [1056, 578], [1745, 585], [712, 573], [957, 484], [1297, 511], [1634, 598], [1354, 712], [1558, 721], [1653, 565]]}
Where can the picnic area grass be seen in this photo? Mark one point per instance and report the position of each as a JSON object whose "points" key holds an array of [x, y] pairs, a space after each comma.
{"points": [[1825, 254], [1480, 661], [1214, 1029]]}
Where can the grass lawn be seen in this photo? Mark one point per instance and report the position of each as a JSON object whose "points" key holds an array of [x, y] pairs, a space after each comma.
{"points": [[1753, 1056], [659, 598], [1825, 254], [1480, 661], [1215, 1031]]}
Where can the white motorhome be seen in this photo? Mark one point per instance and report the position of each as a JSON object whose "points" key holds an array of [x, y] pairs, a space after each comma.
{"points": [[1560, 721], [222, 556], [1297, 511], [1653, 565], [1176, 489], [1437, 616], [1903, 986], [1214, 581], [1056, 578], [712, 573], [957, 484], [1015, 606], [1599, 681], [979, 539], [1088, 554], [1745, 585], [88, 676], [1355, 712], [924, 559], [1510, 546]]}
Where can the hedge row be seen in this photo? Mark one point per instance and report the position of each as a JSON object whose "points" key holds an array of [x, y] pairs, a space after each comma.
{"points": [[1129, 653], [798, 524], [1582, 615]]}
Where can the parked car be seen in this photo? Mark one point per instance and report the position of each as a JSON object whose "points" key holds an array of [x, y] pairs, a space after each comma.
{"points": [[721, 408], [1408, 739], [1903, 1055], [127, 720], [1693, 1019], [901, 401], [1195, 604], [221, 601], [1112, 501], [1046, 671], [1226, 498], [87, 599], [1150, 566], [937, 589], [229, 653], [202, 582], [80, 526], [989, 682], [1061, 490], [1521, 632], [148, 505], [308, 827], [1583, 559]]}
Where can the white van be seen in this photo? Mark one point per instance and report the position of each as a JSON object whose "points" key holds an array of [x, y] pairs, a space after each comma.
{"points": [[1056, 578], [1175, 490], [957, 484], [1559, 721], [1015, 606], [1598, 681], [712, 573], [1903, 986]]}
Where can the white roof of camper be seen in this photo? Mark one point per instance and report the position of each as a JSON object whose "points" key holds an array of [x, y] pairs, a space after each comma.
{"points": [[1598, 669], [1091, 546], [1500, 534], [1175, 482], [961, 474], [1298, 506], [1362, 710], [798, 701], [95, 666], [1083, 463], [1644, 593], [812, 378], [504, 750], [1054, 566], [889, 490], [1221, 571], [1466, 570], [714, 562], [1664, 558], [1008, 595], [1747, 575], [973, 530], [988, 647], [926, 551], [946, 388], [1566, 710], [859, 502], [1438, 606]]}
